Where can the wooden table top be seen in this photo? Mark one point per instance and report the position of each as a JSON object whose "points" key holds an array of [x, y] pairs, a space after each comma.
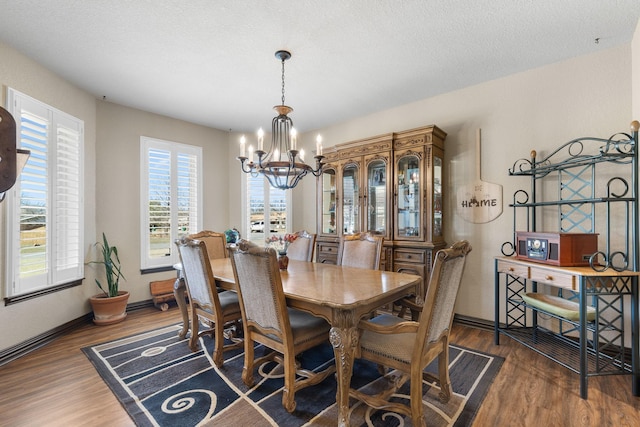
{"points": [[327, 284]]}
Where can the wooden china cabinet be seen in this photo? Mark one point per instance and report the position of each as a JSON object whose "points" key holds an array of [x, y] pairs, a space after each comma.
{"points": [[390, 185]]}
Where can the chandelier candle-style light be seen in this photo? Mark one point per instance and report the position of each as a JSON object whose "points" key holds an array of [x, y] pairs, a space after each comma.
{"points": [[283, 164]]}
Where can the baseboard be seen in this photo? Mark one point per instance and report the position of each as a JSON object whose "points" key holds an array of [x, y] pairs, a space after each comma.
{"points": [[139, 305], [15, 352], [473, 322], [26, 347]]}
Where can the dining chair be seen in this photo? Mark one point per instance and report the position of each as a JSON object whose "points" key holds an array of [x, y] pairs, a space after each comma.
{"points": [[407, 347], [266, 319], [215, 242], [205, 302], [411, 304], [301, 249], [361, 250]]}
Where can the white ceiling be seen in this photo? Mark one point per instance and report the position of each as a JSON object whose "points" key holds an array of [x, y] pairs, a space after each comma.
{"points": [[212, 62]]}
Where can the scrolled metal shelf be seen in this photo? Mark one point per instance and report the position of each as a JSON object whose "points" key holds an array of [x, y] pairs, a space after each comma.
{"points": [[572, 202], [609, 150]]}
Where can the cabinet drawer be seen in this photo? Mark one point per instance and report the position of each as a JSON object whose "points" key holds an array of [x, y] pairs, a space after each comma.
{"points": [[513, 269], [327, 252], [406, 255], [328, 249], [554, 278], [417, 269], [327, 259]]}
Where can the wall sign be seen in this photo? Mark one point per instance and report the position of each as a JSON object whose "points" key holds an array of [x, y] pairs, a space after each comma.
{"points": [[479, 201]]}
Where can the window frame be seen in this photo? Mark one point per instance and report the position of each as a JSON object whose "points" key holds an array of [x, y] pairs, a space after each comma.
{"points": [[65, 166], [246, 217], [150, 264]]}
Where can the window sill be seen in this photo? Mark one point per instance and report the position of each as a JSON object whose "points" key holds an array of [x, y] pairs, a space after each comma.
{"points": [[157, 269], [35, 294]]}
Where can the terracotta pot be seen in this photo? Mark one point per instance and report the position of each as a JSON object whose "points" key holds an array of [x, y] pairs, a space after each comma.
{"points": [[107, 311]]}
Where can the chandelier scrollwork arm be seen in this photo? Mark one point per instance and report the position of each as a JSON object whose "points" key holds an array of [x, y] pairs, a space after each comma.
{"points": [[282, 164]]}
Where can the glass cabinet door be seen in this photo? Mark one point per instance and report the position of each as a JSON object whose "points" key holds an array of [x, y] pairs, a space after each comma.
{"points": [[350, 200], [437, 196], [408, 177], [328, 202], [376, 209]]}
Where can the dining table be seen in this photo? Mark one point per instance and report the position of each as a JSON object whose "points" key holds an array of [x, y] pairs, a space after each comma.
{"points": [[341, 295]]}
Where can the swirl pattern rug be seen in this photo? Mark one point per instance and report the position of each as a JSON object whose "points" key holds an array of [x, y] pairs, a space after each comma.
{"points": [[161, 382]]}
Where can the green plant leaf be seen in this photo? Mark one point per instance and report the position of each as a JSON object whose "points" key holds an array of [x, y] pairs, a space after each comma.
{"points": [[112, 267]]}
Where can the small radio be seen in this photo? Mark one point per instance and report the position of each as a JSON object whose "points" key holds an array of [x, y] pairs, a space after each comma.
{"points": [[561, 249]]}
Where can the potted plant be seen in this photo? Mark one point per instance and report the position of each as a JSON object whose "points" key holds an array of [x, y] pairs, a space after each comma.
{"points": [[110, 306]]}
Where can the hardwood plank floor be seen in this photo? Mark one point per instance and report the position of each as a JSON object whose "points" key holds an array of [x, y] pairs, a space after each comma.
{"points": [[56, 385]]}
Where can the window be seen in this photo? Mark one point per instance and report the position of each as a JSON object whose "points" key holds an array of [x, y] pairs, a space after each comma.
{"points": [[45, 215], [171, 189], [267, 209]]}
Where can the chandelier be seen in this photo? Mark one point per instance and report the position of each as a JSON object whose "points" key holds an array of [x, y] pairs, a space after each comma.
{"points": [[283, 165]]}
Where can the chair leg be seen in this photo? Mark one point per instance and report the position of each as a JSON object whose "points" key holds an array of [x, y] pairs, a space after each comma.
{"points": [[402, 311], [179, 291], [193, 340], [288, 394], [247, 369], [417, 411], [218, 346], [443, 368]]}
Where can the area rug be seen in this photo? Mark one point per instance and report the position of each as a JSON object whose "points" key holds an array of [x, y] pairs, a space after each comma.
{"points": [[161, 382]]}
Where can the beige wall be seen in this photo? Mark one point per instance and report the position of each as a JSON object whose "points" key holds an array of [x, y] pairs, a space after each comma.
{"points": [[27, 319], [541, 108], [635, 73], [538, 109], [111, 200], [118, 181]]}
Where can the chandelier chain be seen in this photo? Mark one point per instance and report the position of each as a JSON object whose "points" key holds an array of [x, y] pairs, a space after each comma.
{"points": [[283, 81]]}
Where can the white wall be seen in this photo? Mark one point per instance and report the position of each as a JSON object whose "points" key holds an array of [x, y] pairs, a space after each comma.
{"points": [[537, 109], [29, 318]]}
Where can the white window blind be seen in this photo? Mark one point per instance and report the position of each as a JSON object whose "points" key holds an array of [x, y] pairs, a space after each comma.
{"points": [[268, 209], [46, 215], [172, 187]]}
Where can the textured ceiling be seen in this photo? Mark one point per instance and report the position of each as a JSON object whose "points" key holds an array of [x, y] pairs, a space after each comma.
{"points": [[212, 62]]}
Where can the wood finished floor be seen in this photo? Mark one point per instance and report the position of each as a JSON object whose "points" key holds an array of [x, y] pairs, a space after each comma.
{"points": [[56, 385]]}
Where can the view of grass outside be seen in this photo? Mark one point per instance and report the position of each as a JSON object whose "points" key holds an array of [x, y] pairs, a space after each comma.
{"points": [[33, 251]]}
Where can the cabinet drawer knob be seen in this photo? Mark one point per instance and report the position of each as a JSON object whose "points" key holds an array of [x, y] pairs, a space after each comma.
{"points": [[549, 277], [511, 269]]}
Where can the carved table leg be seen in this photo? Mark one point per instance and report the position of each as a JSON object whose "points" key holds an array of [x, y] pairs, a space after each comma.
{"points": [[344, 340], [179, 289]]}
